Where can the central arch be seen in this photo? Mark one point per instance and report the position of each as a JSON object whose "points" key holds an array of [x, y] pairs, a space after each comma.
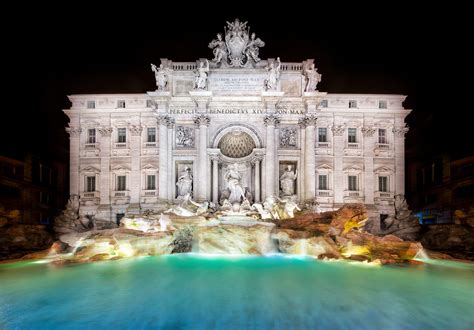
{"points": [[236, 127]]}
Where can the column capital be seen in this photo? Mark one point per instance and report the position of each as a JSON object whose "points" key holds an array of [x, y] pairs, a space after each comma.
{"points": [[215, 157], [400, 131], [136, 130], [165, 120], [338, 130], [307, 120], [271, 120], [368, 131], [202, 120], [74, 131]]}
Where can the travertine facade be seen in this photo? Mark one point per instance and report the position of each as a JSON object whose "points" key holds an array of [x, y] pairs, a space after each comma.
{"points": [[128, 151]]}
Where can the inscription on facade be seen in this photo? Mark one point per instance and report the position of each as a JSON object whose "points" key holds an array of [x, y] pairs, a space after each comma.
{"points": [[236, 83]]}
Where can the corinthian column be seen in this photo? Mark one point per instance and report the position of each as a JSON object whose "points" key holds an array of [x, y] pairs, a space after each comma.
{"points": [[104, 184], [215, 178], [270, 121], [135, 146], [399, 132], [74, 134], [309, 159], [163, 122], [202, 122]]}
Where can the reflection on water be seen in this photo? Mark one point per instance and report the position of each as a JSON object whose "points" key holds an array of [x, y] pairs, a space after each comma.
{"points": [[199, 292]]}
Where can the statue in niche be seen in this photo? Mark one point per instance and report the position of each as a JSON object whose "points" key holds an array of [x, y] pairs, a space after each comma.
{"points": [[287, 181], [312, 78], [233, 179], [288, 137], [219, 49], [184, 136], [273, 75], [252, 49], [200, 81], [185, 183], [161, 76]]}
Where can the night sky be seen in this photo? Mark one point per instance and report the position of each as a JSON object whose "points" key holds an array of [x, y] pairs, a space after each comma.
{"points": [[86, 49]]}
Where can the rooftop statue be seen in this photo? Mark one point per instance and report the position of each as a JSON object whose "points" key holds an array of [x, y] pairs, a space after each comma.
{"points": [[238, 49], [312, 78], [161, 76]]}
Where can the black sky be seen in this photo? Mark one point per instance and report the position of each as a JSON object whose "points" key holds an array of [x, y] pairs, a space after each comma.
{"points": [[358, 49]]}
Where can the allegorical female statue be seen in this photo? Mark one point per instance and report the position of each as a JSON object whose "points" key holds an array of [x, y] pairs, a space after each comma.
{"points": [[273, 75], [201, 76], [219, 49], [161, 76], [312, 78], [287, 182], [233, 178], [185, 183]]}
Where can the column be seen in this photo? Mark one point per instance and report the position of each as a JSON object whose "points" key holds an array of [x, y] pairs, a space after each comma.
{"points": [[399, 131], [369, 145], [257, 180], [310, 159], [270, 121], [215, 178], [135, 147], [104, 184], [338, 145], [169, 157], [301, 169], [202, 121], [163, 158], [74, 141]]}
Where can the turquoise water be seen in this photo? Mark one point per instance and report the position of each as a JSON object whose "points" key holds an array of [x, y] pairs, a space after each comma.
{"points": [[192, 292]]}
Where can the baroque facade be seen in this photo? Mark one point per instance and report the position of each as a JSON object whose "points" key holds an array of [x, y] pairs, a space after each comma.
{"points": [[235, 127]]}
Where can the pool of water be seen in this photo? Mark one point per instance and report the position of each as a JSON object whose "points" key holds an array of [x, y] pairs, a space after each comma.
{"points": [[198, 292]]}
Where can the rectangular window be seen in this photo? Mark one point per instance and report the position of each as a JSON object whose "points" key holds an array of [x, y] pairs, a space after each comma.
{"points": [[351, 135], [150, 182], [382, 135], [383, 183], [323, 182], [352, 182], [90, 183], [121, 183], [121, 104], [151, 134], [323, 104], [352, 104], [90, 104], [382, 104], [91, 135], [322, 134], [122, 135]]}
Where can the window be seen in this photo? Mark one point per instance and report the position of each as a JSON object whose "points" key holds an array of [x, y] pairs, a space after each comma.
{"points": [[90, 104], [351, 137], [151, 134], [383, 183], [150, 103], [122, 135], [352, 104], [323, 104], [150, 182], [44, 197], [91, 135], [119, 217], [382, 104], [352, 182], [382, 135], [322, 134], [90, 183], [121, 104], [121, 183], [323, 182]]}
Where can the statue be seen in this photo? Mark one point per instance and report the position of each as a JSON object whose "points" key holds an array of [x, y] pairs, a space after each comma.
{"points": [[161, 76], [273, 75], [312, 78], [184, 136], [200, 81], [188, 207], [252, 48], [219, 49], [233, 178], [287, 181], [185, 183], [290, 207], [401, 207]]}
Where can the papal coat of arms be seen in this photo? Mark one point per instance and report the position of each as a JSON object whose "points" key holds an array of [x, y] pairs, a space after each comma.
{"points": [[238, 48]]}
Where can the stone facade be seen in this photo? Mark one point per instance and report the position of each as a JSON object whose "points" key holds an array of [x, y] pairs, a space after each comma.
{"points": [[128, 150]]}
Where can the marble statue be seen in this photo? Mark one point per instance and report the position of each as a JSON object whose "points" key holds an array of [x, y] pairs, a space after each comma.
{"points": [[233, 179], [200, 81], [401, 207], [273, 75], [238, 49], [264, 213], [287, 181], [188, 207], [219, 49], [312, 78], [161, 76], [252, 48], [290, 207], [185, 183], [184, 136]]}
